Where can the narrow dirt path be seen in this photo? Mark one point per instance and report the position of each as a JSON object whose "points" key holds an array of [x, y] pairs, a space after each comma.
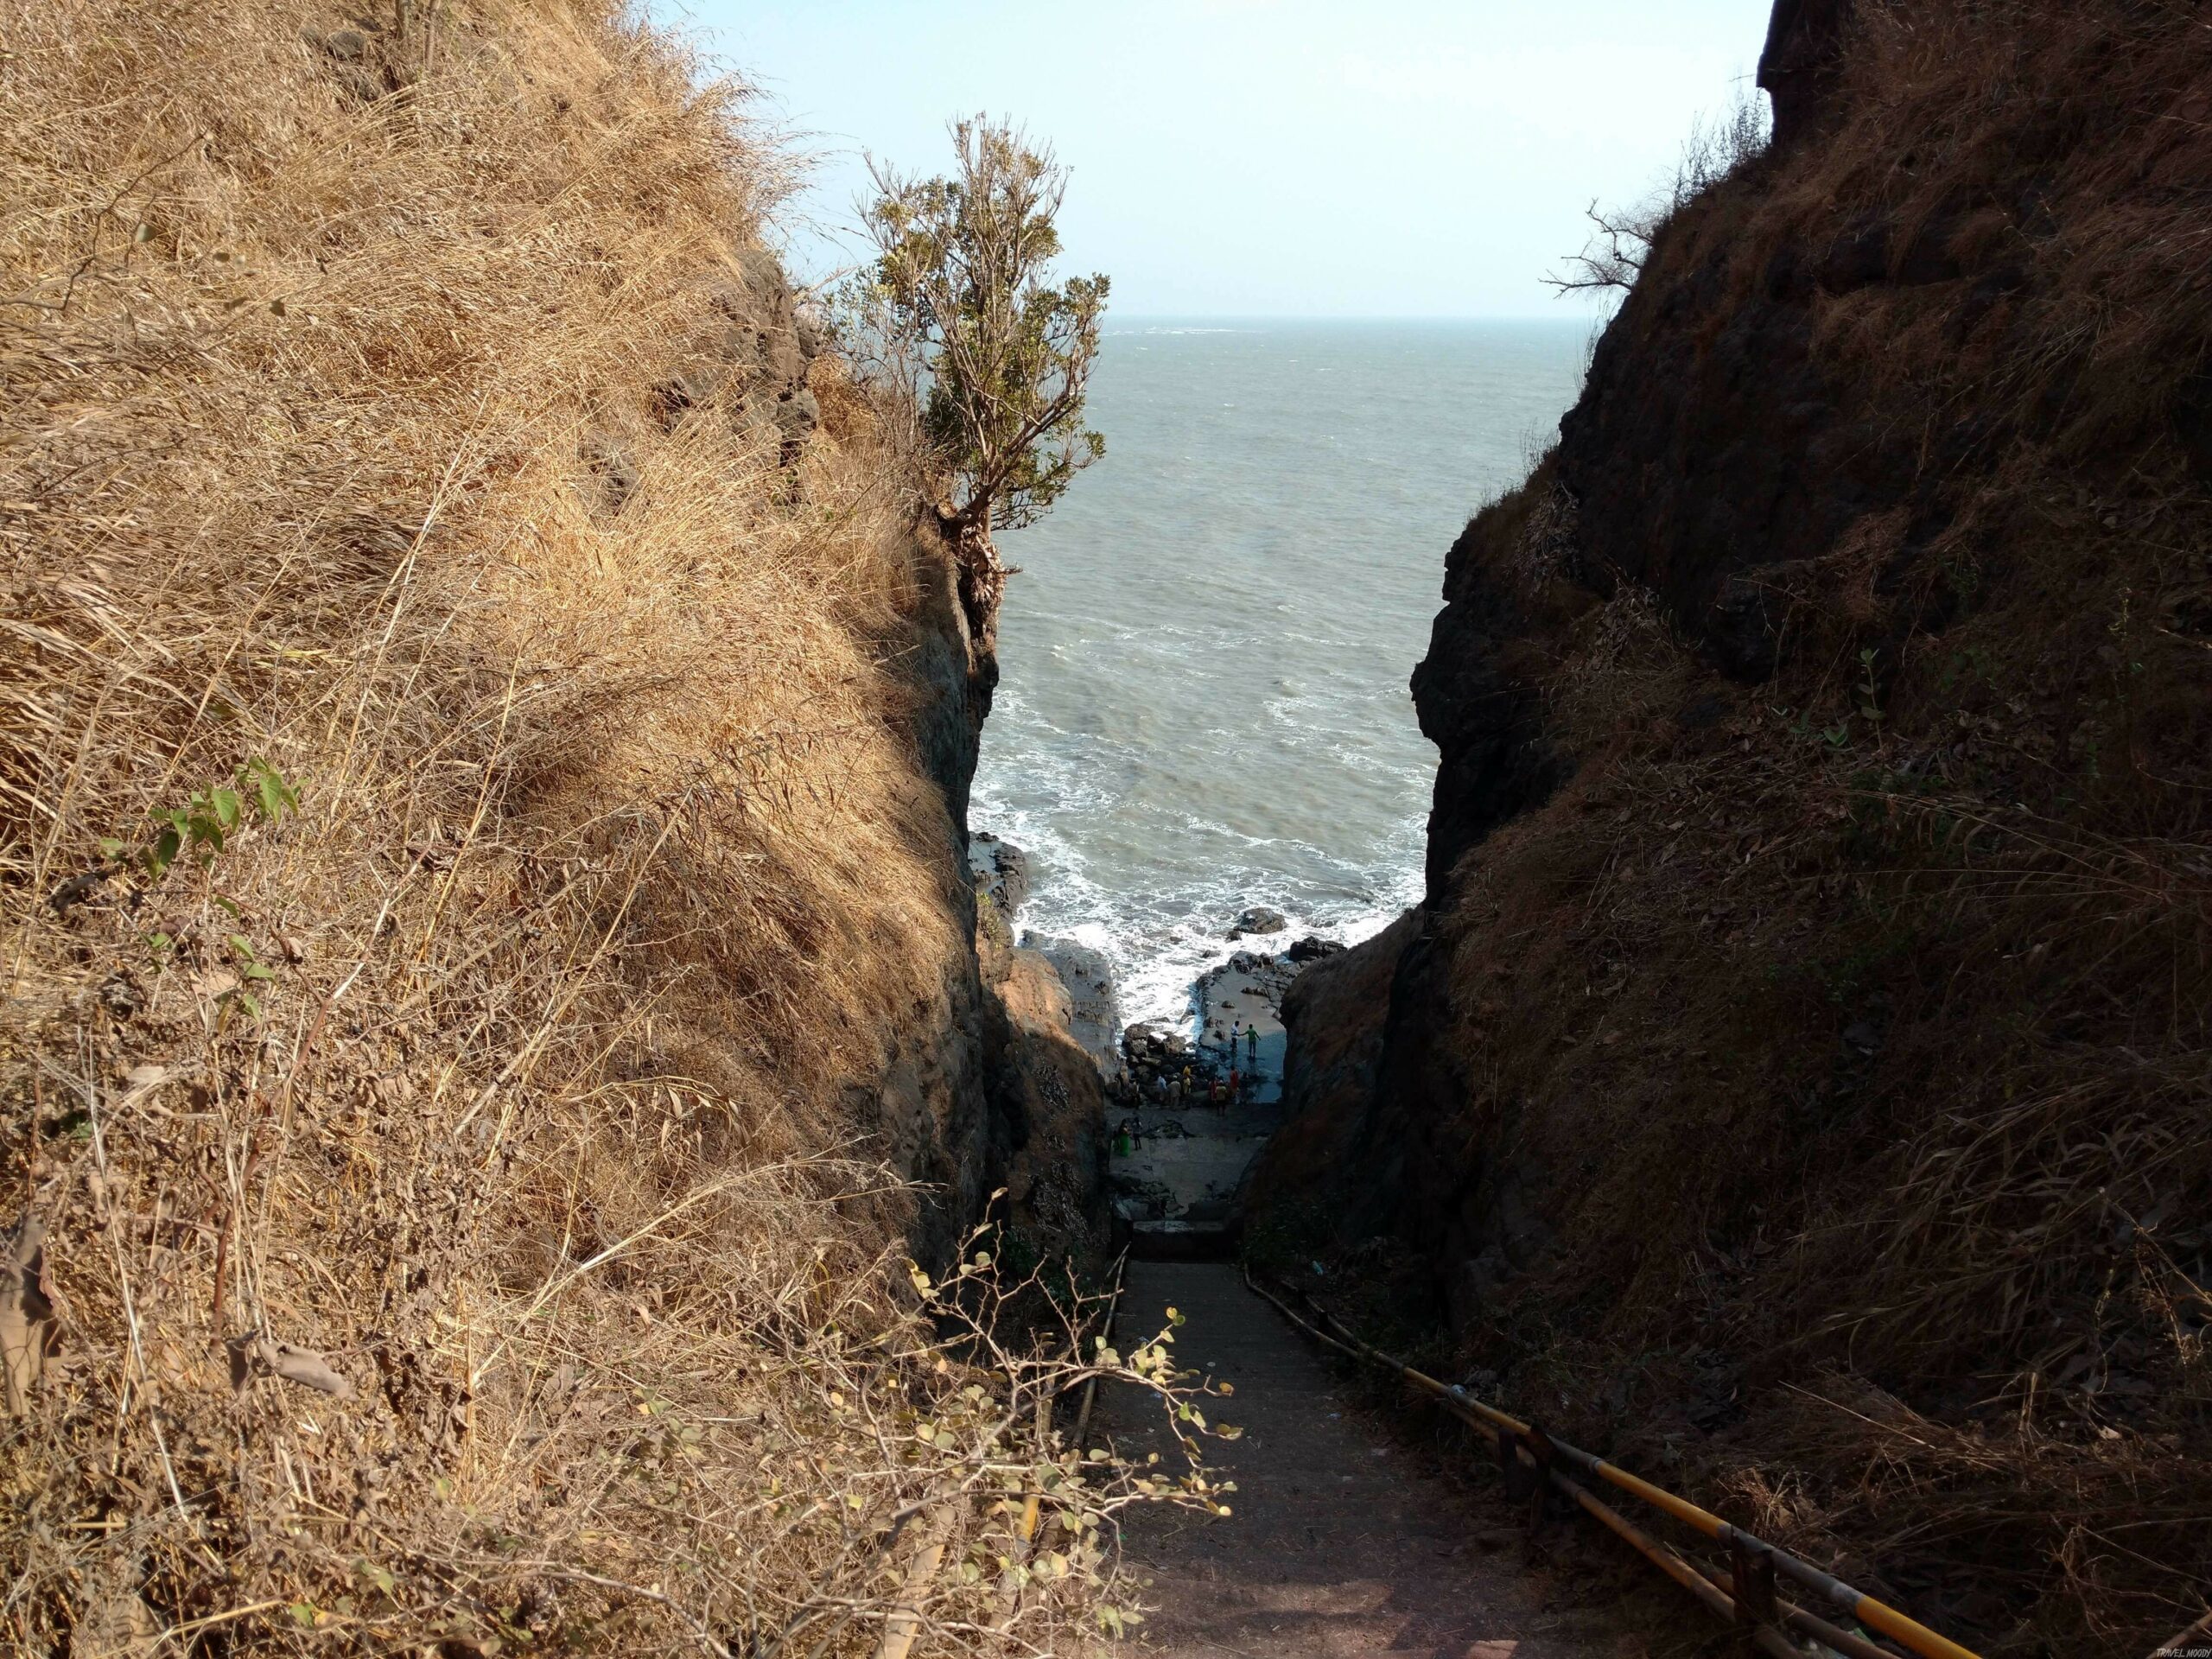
{"points": [[1335, 1544]]}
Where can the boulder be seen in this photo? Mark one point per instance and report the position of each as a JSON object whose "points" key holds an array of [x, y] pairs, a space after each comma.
{"points": [[1258, 920], [1145, 1039], [1001, 870]]}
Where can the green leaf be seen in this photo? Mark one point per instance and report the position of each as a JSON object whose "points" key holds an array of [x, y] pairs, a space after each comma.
{"points": [[270, 792], [225, 803], [380, 1577]]}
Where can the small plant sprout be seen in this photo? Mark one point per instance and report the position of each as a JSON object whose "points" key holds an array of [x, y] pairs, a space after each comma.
{"points": [[1870, 707], [208, 818]]}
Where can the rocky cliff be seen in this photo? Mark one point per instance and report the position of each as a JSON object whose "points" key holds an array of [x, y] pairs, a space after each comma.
{"points": [[1795, 1084]]}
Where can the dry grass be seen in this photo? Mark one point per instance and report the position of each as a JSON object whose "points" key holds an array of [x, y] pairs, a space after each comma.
{"points": [[510, 1073], [1926, 1072], [1831, 1055]]}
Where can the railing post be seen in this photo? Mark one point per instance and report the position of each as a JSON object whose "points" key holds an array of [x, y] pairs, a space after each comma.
{"points": [[1539, 1449], [1508, 1463], [1751, 1568]]}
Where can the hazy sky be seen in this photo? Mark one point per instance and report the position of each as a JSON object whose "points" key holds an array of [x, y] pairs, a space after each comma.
{"points": [[1299, 158]]}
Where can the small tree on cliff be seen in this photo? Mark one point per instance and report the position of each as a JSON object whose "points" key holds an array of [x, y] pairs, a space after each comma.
{"points": [[997, 357]]}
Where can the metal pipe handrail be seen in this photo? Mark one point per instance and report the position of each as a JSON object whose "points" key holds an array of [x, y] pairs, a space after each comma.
{"points": [[1745, 1548]]}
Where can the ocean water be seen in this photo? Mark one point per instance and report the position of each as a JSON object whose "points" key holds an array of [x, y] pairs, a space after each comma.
{"points": [[1204, 699]]}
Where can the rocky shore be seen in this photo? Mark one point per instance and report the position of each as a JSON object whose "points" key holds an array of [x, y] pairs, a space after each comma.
{"points": [[1194, 1115], [1242, 996], [1176, 1159]]}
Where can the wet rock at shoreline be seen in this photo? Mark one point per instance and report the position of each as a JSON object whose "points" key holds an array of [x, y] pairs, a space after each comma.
{"points": [[1258, 918], [1001, 871], [1154, 1053], [1242, 996], [1089, 979]]}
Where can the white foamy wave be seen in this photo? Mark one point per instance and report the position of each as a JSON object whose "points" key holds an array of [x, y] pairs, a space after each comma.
{"points": [[1157, 950]]}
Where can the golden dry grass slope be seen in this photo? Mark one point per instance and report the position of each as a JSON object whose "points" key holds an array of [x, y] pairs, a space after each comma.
{"points": [[442, 1208]]}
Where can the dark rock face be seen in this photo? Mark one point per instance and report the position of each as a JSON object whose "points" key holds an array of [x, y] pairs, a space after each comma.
{"points": [[1258, 920], [1716, 460], [947, 1111], [1333, 1156], [1797, 68], [1002, 872], [956, 678], [1833, 553], [1712, 461], [1010, 1091], [1492, 760], [1092, 1015], [1457, 1203], [1049, 1094], [750, 356]]}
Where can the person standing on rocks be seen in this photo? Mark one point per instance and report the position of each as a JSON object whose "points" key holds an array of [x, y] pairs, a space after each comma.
{"points": [[1236, 1030], [1251, 1047]]}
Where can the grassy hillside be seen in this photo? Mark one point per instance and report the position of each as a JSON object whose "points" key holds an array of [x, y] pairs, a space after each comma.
{"points": [[1801, 1086], [440, 1198]]}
